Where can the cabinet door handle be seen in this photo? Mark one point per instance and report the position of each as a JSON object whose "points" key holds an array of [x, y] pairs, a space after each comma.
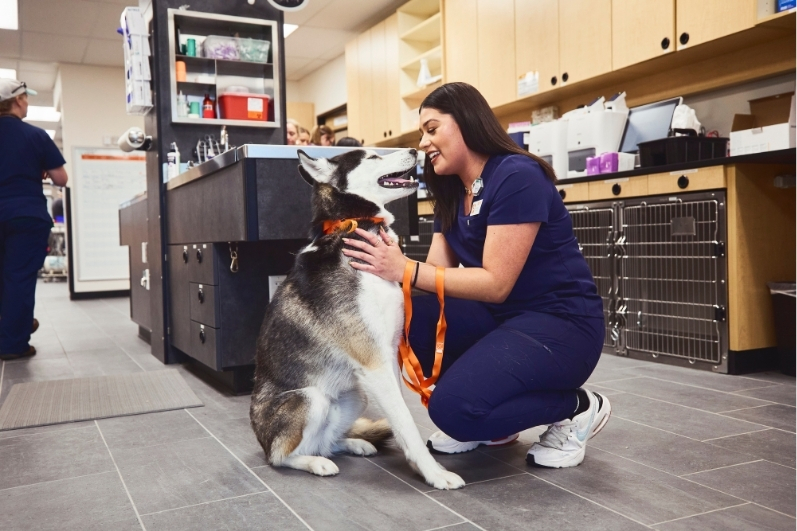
{"points": [[199, 255], [384, 134], [185, 256], [201, 296], [565, 77], [202, 335], [665, 43], [390, 132], [562, 194], [684, 38], [617, 189], [683, 182], [553, 80]]}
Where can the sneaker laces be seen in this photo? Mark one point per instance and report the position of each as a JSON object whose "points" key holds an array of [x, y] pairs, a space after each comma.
{"points": [[556, 435]]}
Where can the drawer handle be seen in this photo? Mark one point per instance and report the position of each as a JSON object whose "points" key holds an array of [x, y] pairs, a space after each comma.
{"points": [[202, 335], [683, 182], [562, 193], [185, 256], [199, 255], [665, 43], [617, 189], [684, 38], [565, 77], [201, 295]]}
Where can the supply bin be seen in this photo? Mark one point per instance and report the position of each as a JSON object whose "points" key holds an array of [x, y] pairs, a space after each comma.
{"points": [[244, 106], [680, 149], [783, 304]]}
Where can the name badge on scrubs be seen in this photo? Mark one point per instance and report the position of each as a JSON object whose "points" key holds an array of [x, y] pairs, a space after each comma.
{"points": [[476, 207]]}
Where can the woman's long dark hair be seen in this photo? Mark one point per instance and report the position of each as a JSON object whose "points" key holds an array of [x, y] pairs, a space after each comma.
{"points": [[481, 132]]}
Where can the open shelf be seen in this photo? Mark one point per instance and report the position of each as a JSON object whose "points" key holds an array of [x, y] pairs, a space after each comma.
{"points": [[433, 56], [426, 31], [223, 121], [420, 8], [415, 98]]}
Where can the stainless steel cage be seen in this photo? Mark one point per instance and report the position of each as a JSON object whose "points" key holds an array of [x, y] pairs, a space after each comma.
{"points": [[594, 227], [659, 264]]}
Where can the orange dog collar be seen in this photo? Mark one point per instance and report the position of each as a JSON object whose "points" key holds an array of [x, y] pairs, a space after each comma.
{"points": [[347, 225]]}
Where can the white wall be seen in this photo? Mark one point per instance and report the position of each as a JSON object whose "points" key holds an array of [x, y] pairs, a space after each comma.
{"points": [[91, 100], [325, 88]]}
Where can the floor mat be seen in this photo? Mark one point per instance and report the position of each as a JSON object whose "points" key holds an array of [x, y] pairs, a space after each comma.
{"points": [[57, 401]]}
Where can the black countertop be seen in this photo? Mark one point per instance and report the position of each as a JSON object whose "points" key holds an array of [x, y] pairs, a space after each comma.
{"points": [[781, 156]]}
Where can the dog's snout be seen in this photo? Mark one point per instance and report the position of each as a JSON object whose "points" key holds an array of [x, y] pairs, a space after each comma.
{"points": [[413, 152]]}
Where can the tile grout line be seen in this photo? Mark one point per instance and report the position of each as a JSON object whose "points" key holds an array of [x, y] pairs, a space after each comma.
{"points": [[751, 407], [526, 472], [613, 380], [115, 343], [207, 502], [694, 408], [438, 502], [43, 432], [54, 480], [701, 514], [773, 510], [721, 468], [482, 481], [656, 428], [714, 390], [251, 472], [446, 526], [735, 435], [129, 497]]}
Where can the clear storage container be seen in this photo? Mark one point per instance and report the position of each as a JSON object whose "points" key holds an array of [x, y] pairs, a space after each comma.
{"points": [[217, 47], [253, 50]]}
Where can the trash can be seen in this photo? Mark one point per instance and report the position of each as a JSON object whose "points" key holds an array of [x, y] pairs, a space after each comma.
{"points": [[783, 304]]}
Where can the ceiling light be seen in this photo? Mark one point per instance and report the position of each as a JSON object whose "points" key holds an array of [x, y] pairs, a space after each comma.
{"points": [[287, 29], [50, 132], [42, 114], [8, 73], [9, 15]]}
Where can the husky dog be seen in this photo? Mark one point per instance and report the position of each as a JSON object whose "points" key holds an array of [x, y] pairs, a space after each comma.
{"points": [[330, 335]]}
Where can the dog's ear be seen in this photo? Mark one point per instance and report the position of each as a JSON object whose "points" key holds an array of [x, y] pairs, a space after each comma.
{"points": [[314, 170]]}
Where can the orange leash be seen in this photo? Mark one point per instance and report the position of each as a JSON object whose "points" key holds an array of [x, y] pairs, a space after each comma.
{"points": [[411, 371]]}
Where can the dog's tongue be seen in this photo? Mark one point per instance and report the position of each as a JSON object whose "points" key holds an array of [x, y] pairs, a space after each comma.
{"points": [[395, 180]]}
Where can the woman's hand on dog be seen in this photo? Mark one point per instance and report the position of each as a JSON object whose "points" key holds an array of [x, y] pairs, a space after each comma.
{"points": [[382, 255]]}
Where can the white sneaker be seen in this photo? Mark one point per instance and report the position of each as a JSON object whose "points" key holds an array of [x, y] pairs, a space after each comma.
{"points": [[564, 443], [440, 443]]}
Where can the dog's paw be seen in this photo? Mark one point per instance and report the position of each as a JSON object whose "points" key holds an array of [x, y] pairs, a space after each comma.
{"points": [[321, 466], [357, 447], [445, 480]]}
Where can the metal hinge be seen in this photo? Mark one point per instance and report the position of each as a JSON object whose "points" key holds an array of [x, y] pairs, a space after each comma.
{"points": [[719, 249], [719, 314]]}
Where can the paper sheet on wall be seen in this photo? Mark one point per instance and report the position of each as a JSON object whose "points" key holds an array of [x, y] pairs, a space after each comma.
{"points": [[104, 178]]}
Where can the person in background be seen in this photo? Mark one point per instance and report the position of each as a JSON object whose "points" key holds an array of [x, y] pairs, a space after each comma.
{"points": [[27, 156], [348, 141], [304, 137], [323, 136], [292, 131]]}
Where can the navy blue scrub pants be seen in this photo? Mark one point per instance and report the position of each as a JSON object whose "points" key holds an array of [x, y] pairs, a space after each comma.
{"points": [[501, 376], [23, 247]]}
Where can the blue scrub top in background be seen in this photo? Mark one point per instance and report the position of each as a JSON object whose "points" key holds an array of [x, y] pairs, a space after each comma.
{"points": [[25, 152], [556, 278]]}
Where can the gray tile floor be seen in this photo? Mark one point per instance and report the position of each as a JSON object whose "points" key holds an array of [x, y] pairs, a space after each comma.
{"points": [[684, 450]]}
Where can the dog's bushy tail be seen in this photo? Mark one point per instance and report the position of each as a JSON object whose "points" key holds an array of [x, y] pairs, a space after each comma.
{"points": [[373, 431]]}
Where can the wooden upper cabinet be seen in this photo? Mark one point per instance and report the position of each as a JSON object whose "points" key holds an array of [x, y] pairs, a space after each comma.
{"points": [[461, 42], [496, 55], [537, 41], [392, 66], [699, 21], [353, 89], [366, 88], [378, 82], [585, 39], [641, 30]]}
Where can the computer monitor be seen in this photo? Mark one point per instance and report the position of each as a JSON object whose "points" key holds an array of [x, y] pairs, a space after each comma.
{"points": [[648, 122]]}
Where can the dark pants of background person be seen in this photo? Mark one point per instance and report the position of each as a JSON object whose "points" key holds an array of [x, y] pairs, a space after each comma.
{"points": [[23, 247], [502, 376]]}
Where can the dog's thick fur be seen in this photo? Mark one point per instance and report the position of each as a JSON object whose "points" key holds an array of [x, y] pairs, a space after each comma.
{"points": [[331, 333]]}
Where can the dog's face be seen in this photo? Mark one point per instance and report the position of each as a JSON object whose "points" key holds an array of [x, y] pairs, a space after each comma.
{"points": [[364, 173]]}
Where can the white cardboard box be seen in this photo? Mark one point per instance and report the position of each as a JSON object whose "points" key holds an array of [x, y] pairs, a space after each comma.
{"points": [[762, 130], [759, 139]]}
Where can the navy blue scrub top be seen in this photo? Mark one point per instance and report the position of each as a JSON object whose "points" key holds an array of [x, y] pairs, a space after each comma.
{"points": [[25, 152], [555, 278]]}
